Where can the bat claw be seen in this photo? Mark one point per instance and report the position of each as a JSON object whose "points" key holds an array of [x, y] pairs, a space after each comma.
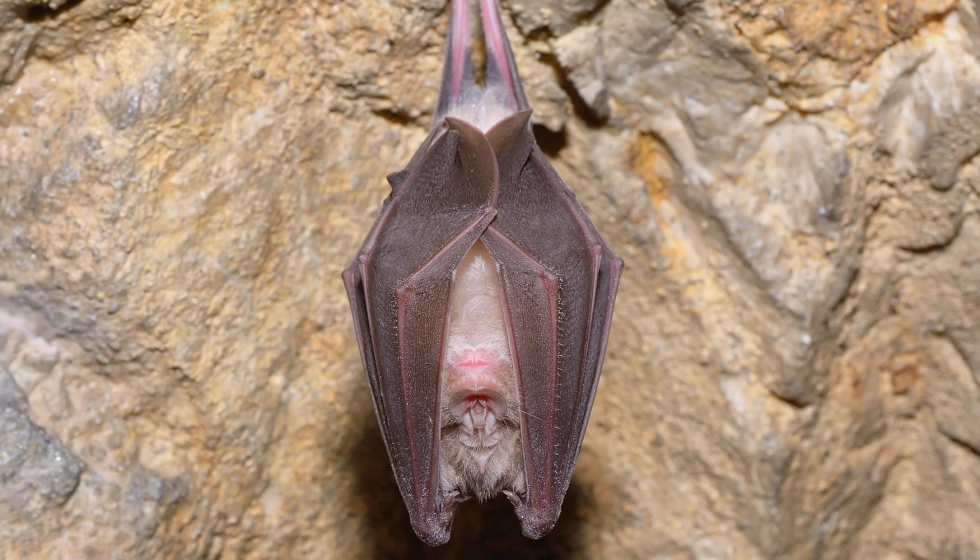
{"points": [[455, 497]]}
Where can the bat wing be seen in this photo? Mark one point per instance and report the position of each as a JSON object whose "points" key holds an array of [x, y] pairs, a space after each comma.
{"points": [[399, 288], [560, 280]]}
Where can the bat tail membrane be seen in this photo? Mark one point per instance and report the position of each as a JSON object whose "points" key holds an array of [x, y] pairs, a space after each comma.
{"points": [[501, 67], [399, 287], [559, 281]]}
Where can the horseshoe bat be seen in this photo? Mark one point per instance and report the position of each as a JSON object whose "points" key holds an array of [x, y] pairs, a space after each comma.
{"points": [[482, 299]]}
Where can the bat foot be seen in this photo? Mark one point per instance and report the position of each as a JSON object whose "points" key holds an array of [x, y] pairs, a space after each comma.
{"points": [[514, 497]]}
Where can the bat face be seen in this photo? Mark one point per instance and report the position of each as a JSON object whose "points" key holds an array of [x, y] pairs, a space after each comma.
{"points": [[482, 300]]}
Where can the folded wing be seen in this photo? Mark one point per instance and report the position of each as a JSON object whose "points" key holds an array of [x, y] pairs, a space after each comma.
{"points": [[399, 287]]}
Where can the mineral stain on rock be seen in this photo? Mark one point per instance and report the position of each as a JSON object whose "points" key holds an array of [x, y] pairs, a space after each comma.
{"points": [[37, 472]]}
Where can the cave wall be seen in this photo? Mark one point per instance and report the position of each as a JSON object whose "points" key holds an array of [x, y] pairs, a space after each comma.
{"points": [[794, 364]]}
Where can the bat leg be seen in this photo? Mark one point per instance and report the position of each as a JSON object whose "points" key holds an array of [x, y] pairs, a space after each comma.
{"points": [[501, 67], [457, 71]]}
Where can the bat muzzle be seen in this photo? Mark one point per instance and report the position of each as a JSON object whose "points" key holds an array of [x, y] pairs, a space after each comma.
{"points": [[481, 406]]}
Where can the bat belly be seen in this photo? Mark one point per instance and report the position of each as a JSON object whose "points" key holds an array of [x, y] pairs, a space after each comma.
{"points": [[480, 442]]}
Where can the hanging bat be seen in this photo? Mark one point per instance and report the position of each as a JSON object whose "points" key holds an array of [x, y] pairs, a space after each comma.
{"points": [[482, 300]]}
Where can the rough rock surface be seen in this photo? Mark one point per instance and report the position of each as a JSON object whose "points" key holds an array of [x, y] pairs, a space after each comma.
{"points": [[794, 367]]}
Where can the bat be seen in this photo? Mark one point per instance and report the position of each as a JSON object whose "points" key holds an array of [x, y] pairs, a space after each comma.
{"points": [[482, 299]]}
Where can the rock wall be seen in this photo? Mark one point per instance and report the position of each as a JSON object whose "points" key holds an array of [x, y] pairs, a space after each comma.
{"points": [[794, 366]]}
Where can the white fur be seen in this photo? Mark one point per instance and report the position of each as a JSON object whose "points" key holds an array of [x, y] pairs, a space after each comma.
{"points": [[482, 109], [481, 451]]}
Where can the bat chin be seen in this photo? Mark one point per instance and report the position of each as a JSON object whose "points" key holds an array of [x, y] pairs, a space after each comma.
{"points": [[482, 465], [481, 457]]}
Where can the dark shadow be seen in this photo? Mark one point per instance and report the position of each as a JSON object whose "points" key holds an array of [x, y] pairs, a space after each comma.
{"points": [[550, 142], [36, 13], [480, 531], [399, 118]]}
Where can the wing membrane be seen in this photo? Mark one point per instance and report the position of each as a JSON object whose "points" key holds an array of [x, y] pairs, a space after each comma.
{"points": [[559, 283], [399, 287]]}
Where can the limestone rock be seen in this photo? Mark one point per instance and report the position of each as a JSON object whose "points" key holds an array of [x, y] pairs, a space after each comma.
{"points": [[580, 55], [794, 365]]}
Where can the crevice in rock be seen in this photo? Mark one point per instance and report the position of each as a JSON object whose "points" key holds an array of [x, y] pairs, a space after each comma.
{"points": [[44, 11], [936, 247], [797, 403], [582, 109], [963, 354], [590, 15], [397, 117], [681, 8], [550, 142], [961, 443]]}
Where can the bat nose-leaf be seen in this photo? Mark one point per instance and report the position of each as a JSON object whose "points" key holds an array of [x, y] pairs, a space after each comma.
{"points": [[462, 400]]}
